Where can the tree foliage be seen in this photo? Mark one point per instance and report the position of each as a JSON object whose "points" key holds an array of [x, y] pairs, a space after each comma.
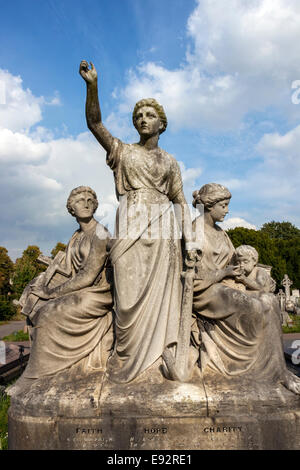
{"points": [[290, 251], [6, 270], [4, 405], [26, 268], [278, 245], [280, 230], [59, 247], [7, 309]]}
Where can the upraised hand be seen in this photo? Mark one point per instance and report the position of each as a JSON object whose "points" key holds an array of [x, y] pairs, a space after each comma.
{"points": [[89, 75]]}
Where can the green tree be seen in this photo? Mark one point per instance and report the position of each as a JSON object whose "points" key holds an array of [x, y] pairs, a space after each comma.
{"points": [[290, 252], [7, 310], [281, 250], [26, 268], [4, 405], [31, 253], [6, 270], [59, 247], [280, 230]]}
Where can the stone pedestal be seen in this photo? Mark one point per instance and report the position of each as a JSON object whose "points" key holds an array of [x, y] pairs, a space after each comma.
{"points": [[75, 412]]}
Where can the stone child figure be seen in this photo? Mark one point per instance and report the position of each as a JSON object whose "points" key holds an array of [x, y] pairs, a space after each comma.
{"points": [[253, 277], [147, 286], [72, 320]]}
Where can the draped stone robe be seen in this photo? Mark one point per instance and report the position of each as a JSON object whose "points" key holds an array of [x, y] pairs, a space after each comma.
{"points": [[146, 258], [78, 323], [240, 332]]}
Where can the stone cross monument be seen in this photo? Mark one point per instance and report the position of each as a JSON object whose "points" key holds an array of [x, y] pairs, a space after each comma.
{"points": [[281, 298], [286, 282]]}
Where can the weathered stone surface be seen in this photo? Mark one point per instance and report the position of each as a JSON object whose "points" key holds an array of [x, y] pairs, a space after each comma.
{"points": [[152, 413], [214, 321], [69, 306]]}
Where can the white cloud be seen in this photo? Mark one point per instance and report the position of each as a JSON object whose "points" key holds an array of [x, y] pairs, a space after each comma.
{"points": [[232, 183], [2, 93], [38, 171], [33, 210], [21, 109], [280, 170], [55, 101], [243, 58], [121, 127], [189, 175], [281, 150], [253, 37], [270, 189], [234, 222], [16, 148], [70, 162]]}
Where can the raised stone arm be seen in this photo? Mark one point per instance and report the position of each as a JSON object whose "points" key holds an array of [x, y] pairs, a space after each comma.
{"points": [[208, 278], [92, 107]]}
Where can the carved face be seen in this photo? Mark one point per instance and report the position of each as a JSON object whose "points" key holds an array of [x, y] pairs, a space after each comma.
{"points": [[83, 205], [247, 263], [147, 121], [219, 210]]}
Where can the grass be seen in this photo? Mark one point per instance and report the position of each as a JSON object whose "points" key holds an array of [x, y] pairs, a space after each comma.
{"points": [[295, 328], [4, 405], [17, 336]]}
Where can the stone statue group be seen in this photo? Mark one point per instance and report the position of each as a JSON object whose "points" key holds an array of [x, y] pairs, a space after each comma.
{"points": [[125, 304]]}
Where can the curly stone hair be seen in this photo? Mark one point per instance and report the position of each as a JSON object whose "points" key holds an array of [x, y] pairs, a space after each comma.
{"points": [[247, 251], [78, 190], [158, 108], [210, 194]]}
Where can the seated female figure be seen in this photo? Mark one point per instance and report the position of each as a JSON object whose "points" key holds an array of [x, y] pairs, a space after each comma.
{"points": [[238, 332], [72, 319]]}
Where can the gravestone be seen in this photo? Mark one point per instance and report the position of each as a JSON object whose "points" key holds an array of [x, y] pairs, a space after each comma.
{"points": [[281, 298], [295, 293], [286, 282], [295, 297]]}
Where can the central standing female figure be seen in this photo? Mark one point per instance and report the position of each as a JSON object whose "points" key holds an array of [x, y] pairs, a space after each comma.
{"points": [[145, 254]]}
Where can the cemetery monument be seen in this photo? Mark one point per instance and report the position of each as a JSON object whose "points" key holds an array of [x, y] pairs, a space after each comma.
{"points": [[162, 336]]}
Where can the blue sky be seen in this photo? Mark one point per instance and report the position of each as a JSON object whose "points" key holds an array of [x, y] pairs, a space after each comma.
{"points": [[223, 74]]}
